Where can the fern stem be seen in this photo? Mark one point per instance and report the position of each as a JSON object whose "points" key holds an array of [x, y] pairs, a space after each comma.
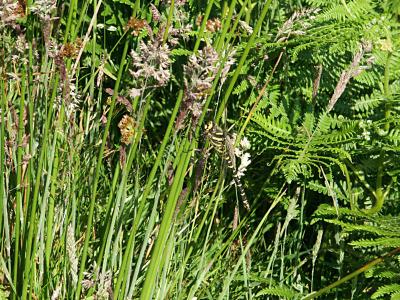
{"points": [[378, 201], [386, 90], [379, 194], [347, 8], [364, 268]]}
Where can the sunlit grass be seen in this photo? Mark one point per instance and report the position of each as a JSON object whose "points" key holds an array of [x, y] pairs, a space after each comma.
{"points": [[109, 186]]}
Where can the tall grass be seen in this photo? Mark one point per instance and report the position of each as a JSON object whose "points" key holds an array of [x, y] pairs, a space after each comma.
{"points": [[110, 189]]}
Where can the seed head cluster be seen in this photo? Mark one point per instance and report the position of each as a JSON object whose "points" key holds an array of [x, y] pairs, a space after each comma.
{"points": [[151, 63], [127, 128], [199, 72]]}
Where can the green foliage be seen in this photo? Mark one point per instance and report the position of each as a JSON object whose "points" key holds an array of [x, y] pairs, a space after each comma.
{"points": [[390, 289], [316, 143], [281, 291], [370, 234], [342, 148], [108, 185]]}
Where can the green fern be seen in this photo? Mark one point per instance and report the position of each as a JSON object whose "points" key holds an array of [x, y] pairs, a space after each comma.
{"points": [[280, 291], [241, 88], [350, 10], [385, 242], [386, 290], [348, 154]]}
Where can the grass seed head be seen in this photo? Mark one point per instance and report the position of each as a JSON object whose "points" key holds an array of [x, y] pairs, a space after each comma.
{"points": [[127, 128]]}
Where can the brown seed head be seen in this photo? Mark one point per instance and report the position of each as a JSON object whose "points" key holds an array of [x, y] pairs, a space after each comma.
{"points": [[136, 25], [127, 128]]}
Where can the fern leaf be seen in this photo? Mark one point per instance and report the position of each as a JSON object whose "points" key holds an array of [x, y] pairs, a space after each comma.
{"points": [[386, 290], [241, 88], [280, 291], [385, 242], [367, 228]]}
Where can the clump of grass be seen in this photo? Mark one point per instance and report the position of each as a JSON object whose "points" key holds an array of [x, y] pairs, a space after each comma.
{"points": [[108, 188]]}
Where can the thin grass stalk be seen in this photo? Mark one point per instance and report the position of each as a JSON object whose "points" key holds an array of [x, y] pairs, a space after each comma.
{"points": [[245, 269], [97, 173], [3, 198], [167, 254], [259, 97], [155, 262], [243, 58], [169, 21], [207, 266], [82, 14], [225, 246], [50, 221], [149, 228], [30, 133], [357, 272], [122, 191], [94, 42], [199, 280], [32, 217], [18, 212], [4, 203], [180, 149], [50, 208], [2, 154], [232, 31], [138, 264], [109, 208], [71, 12], [203, 26], [146, 192], [229, 278], [227, 23], [199, 229]]}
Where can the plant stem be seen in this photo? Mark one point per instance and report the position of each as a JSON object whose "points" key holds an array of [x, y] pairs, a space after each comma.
{"points": [[242, 61], [364, 268], [147, 190], [32, 217], [19, 204], [203, 25], [169, 21], [97, 173]]}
